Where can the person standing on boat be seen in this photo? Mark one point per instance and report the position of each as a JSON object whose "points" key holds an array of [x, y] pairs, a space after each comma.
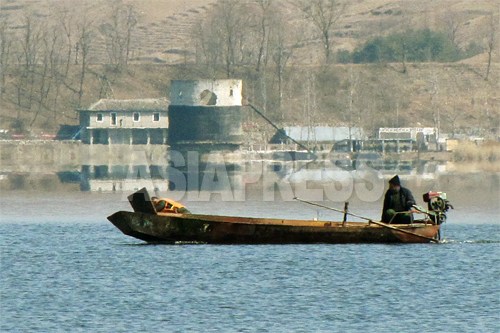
{"points": [[397, 199]]}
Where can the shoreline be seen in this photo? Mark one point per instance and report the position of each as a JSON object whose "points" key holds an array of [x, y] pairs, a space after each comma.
{"points": [[52, 156]]}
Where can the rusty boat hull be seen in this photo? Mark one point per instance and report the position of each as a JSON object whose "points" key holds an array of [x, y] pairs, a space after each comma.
{"points": [[212, 229]]}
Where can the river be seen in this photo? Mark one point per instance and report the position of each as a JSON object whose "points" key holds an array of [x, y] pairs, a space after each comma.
{"points": [[64, 267]]}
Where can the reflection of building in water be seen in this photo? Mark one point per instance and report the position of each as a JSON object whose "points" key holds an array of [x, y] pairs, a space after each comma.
{"points": [[135, 121], [129, 178], [119, 178], [122, 185], [392, 140]]}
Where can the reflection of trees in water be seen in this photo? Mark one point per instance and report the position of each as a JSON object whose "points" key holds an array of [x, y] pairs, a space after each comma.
{"points": [[35, 182], [17, 182]]}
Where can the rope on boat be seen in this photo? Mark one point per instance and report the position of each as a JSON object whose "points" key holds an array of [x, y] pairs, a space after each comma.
{"points": [[281, 131]]}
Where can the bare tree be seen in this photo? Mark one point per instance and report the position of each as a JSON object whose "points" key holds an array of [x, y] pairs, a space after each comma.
{"points": [[453, 116], [49, 71], [222, 38], [281, 51], [59, 66], [207, 47], [118, 32], [310, 100], [230, 21], [352, 96], [5, 47], [323, 14], [452, 25], [43, 82], [436, 108], [130, 23], [28, 57], [85, 34], [265, 7], [66, 19], [493, 24]]}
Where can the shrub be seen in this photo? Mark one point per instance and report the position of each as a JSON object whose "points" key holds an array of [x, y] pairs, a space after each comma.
{"points": [[413, 46]]}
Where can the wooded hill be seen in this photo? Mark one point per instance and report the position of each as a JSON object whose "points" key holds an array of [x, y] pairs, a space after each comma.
{"points": [[297, 59]]}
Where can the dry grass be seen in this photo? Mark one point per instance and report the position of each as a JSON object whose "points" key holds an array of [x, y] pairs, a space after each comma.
{"points": [[472, 167], [167, 24], [472, 157], [487, 152]]}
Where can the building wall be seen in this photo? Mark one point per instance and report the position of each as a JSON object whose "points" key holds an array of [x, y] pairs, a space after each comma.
{"points": [[206, 92], [84, 119], [131, 136], [198, 124], [324, 134]]}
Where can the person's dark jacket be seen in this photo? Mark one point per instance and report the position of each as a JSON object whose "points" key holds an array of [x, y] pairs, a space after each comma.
{"points": [[407, 201]]}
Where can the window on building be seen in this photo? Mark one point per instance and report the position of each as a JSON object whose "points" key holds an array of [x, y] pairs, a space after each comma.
{"points": [[113, 118], [137, 116], [156, 116], [99, 117]]}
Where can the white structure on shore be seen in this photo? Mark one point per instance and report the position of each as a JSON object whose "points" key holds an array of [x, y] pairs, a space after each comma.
{"points": [[428, 134], [206, 92], [133, 121]]}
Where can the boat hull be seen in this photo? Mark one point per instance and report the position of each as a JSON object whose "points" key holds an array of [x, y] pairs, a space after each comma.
{"points": [[171, 228]]}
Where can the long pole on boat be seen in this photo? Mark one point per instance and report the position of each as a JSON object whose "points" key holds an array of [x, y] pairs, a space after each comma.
{"points": [[334, 209], [369, 220]]}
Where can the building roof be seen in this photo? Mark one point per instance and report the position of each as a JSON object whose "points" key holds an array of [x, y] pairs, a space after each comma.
{"points": [[145, 104], [323, 133]]}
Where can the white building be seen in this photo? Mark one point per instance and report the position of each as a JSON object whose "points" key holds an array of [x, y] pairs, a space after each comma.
{"points": [[428, 134], [206, 93], [133, 121]]}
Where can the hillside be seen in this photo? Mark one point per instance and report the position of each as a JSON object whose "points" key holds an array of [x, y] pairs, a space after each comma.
{"points": [[165, 27], [171, 39]]}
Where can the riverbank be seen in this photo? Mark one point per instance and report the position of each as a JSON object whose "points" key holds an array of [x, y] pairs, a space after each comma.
{"points": [[52, 156], [72, 166]]}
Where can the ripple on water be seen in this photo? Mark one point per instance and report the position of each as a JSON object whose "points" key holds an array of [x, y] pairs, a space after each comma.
{"points": [[89, 277]]}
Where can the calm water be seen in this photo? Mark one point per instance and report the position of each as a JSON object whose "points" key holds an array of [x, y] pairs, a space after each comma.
{"points": [[65, 268]]}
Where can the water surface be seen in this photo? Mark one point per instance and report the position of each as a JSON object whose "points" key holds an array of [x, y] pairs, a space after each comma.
{"points": [[65, 268]]}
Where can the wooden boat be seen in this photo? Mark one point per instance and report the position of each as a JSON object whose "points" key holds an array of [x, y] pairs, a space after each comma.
{"points": [[150, 226]]}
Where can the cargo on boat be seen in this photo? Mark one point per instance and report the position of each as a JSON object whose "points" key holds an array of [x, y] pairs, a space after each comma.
{"points": [[172, 226]]}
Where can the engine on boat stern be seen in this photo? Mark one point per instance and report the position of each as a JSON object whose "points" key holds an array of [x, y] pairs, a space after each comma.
{"points": [[438, 205]]}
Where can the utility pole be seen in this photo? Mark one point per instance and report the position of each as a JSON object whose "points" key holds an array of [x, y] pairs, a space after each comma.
{"points": [[351, 102], [435, 107]]}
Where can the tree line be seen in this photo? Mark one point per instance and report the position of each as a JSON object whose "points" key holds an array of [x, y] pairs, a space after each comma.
{"points": [[46, 59], [47, 62], [262, 40]]}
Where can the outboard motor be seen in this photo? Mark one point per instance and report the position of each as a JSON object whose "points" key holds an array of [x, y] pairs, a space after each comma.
{"points": [[438, 205]]}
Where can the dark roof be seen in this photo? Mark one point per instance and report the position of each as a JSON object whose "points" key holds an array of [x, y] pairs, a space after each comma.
{"points": [[145, 104]]}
